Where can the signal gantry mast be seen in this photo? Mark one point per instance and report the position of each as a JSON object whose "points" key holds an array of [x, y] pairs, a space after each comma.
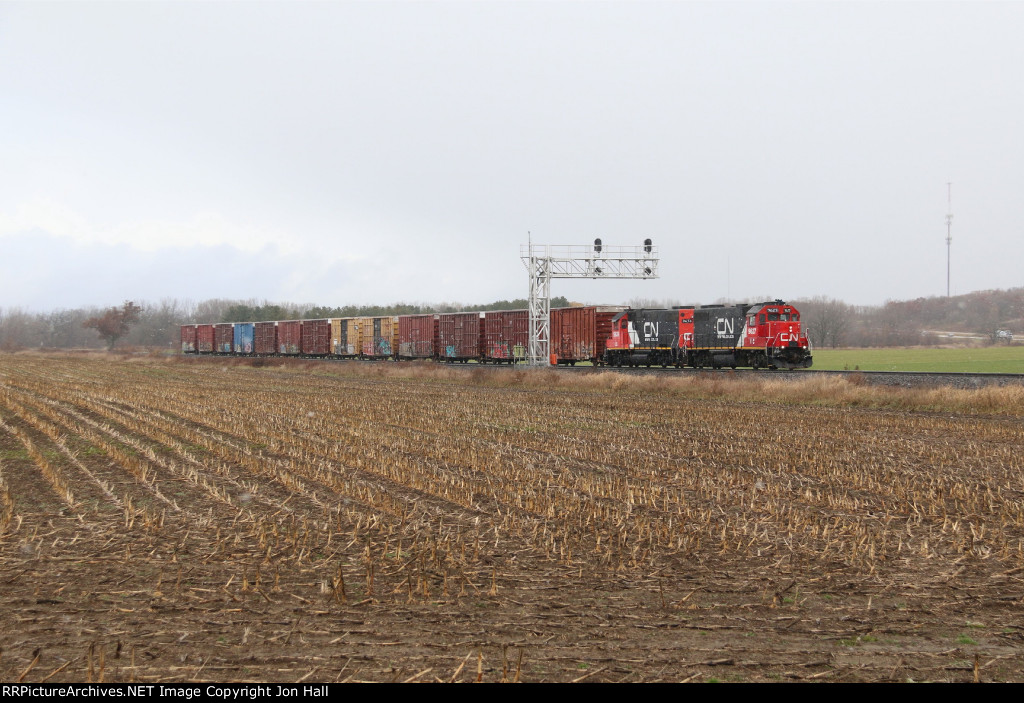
{"points": [[547, 261]]}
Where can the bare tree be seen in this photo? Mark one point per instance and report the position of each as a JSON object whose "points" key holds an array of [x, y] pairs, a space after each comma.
{"points": [[115, 322], [826, 320], [159, 323], [18, 329]]}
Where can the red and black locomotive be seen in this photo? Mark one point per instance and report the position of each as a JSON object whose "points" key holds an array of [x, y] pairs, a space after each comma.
{"points": [[764, 335]]}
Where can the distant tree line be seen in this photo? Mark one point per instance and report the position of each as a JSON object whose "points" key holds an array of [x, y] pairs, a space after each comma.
{"points": [[923, 321], [830, 322], [157, 324], [249, 312], [833, 323]]}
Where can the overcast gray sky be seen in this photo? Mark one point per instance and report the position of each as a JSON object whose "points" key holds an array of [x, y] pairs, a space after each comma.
{"points": [[342, 152]]}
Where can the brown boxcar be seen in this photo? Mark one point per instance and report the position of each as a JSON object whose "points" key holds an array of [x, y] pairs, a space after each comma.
{"points": [[417, 336], [289, 337], [223, 338], [581, 334], [188, 339], [506, 335], [204, 339], [316, 337], [460, 336], [265, 334]]}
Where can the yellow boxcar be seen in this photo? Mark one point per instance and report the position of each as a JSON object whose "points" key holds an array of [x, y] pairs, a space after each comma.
{"points": [[338, 336], [377, 336], [345, 336]]}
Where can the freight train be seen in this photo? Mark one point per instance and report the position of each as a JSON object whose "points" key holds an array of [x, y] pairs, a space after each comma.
{"points": [[765, 335]]}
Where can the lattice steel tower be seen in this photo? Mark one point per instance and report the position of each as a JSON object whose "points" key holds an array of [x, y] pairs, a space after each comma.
{"points": [[547, 261], [949, 231]]}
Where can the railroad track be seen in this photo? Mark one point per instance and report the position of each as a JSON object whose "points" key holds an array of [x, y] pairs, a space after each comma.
{"points": [[907, 379]]}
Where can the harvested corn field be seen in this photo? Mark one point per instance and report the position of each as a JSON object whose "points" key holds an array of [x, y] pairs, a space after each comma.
{"points": [[215, 521]]}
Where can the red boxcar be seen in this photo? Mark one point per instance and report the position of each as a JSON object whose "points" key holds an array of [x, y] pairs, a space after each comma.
{"points": [[316, 337], [223, 338], [581, 334], [460, 336], [188, 339], [204, 339], [506, 335], [289, 337], [265, 338], [417, 336]]}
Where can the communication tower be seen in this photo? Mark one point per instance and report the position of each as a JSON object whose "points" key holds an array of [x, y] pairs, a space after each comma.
{"points": [[547, 261], [949, 231]]}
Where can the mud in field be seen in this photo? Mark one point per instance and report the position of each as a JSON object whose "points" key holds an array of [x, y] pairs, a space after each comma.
{"points": [[288, 526]]}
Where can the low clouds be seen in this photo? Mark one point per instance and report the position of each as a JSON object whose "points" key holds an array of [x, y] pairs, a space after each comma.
{"points": [[53, 258], [351, 153], [42, 271], [201, 230]]}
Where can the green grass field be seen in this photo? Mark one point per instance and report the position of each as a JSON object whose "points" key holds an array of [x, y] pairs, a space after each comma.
{"points": [[998, 359]]}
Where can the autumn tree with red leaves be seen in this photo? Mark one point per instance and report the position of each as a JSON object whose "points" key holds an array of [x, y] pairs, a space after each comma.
{"points": [[115, 322]]}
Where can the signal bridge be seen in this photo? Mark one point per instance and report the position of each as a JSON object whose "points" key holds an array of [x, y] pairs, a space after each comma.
{"points": [[547, 261]]}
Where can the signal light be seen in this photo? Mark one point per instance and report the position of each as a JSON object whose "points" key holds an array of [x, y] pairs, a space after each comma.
{"points": [[597, 245], [647, 245]]}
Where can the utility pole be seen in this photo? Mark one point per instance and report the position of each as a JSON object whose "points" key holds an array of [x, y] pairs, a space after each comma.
{"points": [[547, 261], [949, 231]]}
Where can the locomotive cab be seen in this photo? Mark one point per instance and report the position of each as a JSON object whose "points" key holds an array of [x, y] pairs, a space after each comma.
{"points": [[775, 328], [619, 338]]}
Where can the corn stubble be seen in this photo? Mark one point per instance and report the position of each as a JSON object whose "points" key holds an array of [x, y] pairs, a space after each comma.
{"points": [[288, 498]]}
